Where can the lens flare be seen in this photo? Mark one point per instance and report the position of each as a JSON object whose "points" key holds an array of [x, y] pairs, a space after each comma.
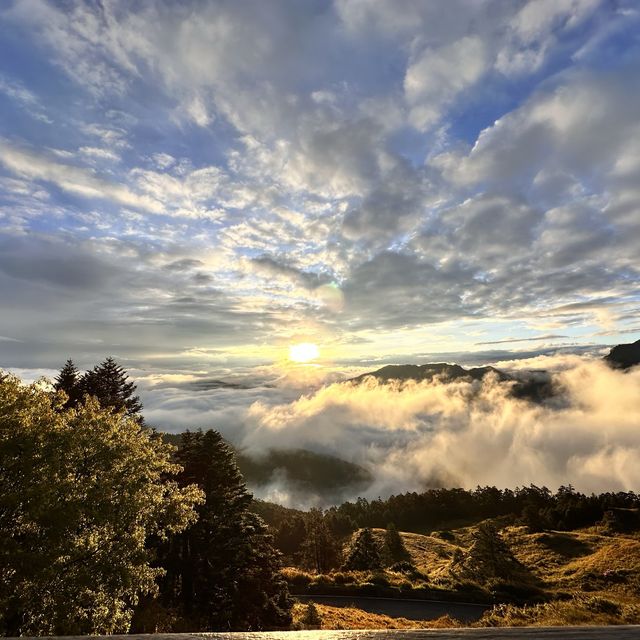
{"points": [[303, 352]]}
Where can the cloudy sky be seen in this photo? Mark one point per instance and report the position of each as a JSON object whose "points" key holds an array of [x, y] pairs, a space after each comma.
{"points": [[192, 187]]}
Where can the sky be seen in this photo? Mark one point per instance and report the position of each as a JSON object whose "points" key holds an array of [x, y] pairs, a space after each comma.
{"points": [[193, 187]]}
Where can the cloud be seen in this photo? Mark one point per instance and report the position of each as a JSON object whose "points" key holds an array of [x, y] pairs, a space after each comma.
{"points": [[415, 435], [436, 77], [74, 179], [532, 339], [356, 169]]}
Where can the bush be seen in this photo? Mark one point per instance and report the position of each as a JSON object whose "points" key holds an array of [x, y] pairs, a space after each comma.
{"points": [[379, 579], [311, 618], [597, 604], [403, 567], [296, 577]]}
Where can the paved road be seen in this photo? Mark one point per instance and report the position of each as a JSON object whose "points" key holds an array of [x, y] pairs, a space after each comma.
{"points": [[405, 608], [529, 633]]}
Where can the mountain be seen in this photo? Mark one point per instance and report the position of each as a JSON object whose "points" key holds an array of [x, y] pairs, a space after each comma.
{"points": [[535, 386], [624, 356], [429, 371], [297, 470], [303, 471]]}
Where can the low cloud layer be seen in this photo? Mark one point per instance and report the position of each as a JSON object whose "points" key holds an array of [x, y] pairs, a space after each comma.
{"points": [[412, 436]]}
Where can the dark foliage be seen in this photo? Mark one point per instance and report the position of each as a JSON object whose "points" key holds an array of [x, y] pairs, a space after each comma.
{"points": [[109, 383], [68, 380], [290, 536], [223, 572], [321, 549], [364, 554], [394, 550], [305, 471], [537, 507]]}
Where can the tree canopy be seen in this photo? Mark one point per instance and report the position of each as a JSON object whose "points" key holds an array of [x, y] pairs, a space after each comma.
{"points": [[110, 384], [68, 380], [81, 493], [223, 572], [364, 553]]}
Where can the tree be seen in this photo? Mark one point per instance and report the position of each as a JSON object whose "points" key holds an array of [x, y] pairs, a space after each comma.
{"points": [[223, 572], [68, 380], [394, 550], [81, 493], [364, 554], [109, 383], [290, 536], [320, 550]]}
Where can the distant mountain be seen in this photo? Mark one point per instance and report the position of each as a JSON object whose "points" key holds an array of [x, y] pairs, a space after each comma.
{"points": [[304, 471], [430, 371], [624, 356], [534, 386], [297, 470]]}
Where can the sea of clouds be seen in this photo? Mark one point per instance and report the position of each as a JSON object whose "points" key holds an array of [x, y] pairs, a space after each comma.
{"points": [[415, 435]]}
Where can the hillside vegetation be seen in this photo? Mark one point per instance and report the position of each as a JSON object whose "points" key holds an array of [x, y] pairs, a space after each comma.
{"points": [[589, 576]]}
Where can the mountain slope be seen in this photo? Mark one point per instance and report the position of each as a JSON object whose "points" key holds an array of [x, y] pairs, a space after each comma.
{"points": [[430, 371], [534, 386], [624, 356]]}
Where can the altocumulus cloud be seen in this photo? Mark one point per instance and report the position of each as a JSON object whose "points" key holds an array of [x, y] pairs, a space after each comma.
{"points": [[451, 174]]}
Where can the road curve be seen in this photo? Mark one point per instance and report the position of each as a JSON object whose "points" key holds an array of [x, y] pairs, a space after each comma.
{"points": [[412, 609]]}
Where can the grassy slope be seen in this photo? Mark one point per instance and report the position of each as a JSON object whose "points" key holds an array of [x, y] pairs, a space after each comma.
{"points": [[578, 577], [352, 618]]}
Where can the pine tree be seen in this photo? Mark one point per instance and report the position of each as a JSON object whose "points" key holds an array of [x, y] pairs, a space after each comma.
{"points": [[320, 549], [68, 380], [290, 536], [109, 383], [223, 572], [394, 550], [364, 554]]}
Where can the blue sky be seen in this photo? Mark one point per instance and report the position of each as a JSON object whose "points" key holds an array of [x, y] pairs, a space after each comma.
{"points": [[196, 186]]}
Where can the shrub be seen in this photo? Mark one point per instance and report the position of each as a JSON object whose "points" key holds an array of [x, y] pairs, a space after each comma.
{"points": [[311, 617]]}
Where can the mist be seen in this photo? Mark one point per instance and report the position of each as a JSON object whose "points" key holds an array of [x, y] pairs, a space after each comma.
{"points": [[412, 436]]}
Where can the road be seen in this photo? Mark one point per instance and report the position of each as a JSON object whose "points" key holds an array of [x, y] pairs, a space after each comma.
{"points": [[404, 608]]}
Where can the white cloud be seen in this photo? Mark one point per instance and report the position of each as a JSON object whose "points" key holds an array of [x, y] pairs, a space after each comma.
{"points": [[436, 77], [415, 435], [77, 180]]}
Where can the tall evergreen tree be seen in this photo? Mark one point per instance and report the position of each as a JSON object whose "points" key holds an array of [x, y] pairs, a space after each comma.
{"points": [[320, 549], [290, 536], [394, 550], [223, 572], [109, 383], [364, 554], [68, 380]]}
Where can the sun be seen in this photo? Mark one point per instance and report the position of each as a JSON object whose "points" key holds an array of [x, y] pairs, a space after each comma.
{"points": [[303, 352]]}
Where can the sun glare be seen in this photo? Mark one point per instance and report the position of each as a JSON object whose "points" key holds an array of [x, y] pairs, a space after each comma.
{"points": [[303, 352]]}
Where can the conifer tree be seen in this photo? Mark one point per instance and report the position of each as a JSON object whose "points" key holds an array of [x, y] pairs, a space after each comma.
{"points": [[364, 554], [109, 383], [394, 550], [320, 549], [68, 380], [223, 572]]}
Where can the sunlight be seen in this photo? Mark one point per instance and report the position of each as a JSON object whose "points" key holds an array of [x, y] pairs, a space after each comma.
{"points": [[303, 352]]}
